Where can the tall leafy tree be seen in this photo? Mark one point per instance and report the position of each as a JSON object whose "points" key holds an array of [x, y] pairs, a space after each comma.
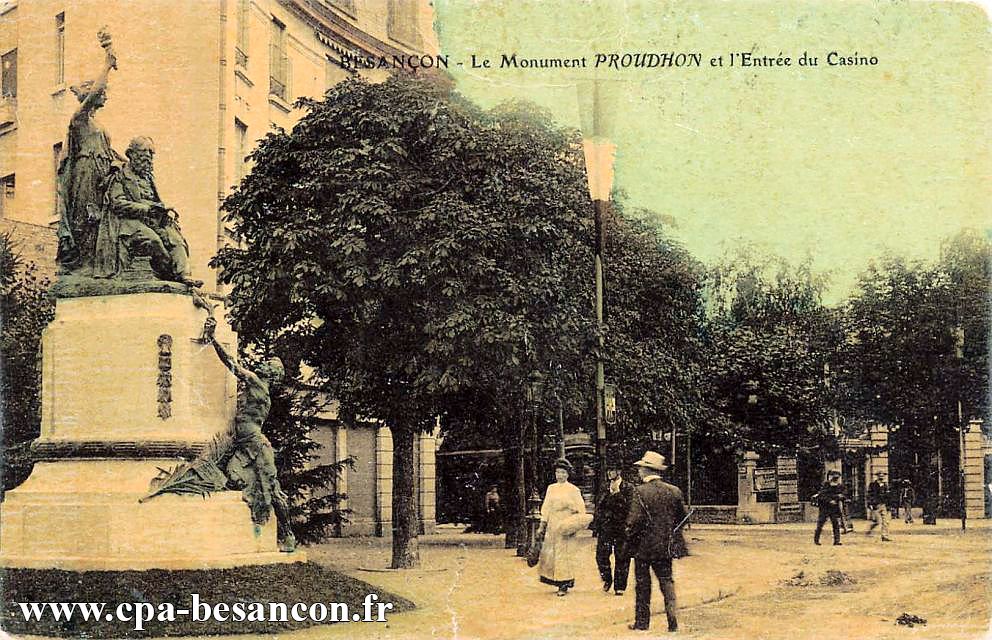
{"points": [[899, 342], [769, 339], [652, 349], [25, 311], [916, 345], [966, 258], [412, 249], [653, 323]]}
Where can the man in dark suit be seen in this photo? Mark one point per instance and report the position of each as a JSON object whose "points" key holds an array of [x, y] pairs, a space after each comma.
{"points": [[608, 523], [829, 500], [657, 511]]}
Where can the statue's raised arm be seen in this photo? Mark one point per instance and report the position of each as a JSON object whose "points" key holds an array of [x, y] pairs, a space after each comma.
{"points": [[209, 327], [98, 86]]}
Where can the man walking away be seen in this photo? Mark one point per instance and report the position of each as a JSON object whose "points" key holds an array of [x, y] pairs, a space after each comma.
{"points": [[878, 491], [608, 523], [829, 500], [657, 512]]}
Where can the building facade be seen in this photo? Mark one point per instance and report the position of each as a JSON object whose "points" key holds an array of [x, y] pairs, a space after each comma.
{"points": [[205, 79]]}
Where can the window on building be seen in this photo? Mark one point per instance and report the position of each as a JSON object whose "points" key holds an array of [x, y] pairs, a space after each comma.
{"points": [[7, 185], [60, 48], [8, 81], [279, 70], [348, 6], [240, 149], [402, 22], [56, 158], [241, 47]]}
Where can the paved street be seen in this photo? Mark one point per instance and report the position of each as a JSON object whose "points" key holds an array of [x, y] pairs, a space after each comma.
{"points": [[734, 585]]}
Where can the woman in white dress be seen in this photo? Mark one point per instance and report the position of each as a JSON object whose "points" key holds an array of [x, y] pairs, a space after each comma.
{"points": [[563, 514]]}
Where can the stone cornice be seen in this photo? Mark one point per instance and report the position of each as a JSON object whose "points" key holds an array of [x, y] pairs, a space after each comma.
{"points": [[68, 286], [47, 450], [329, 24]]}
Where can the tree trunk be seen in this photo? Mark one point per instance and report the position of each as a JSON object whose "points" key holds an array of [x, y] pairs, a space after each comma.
{"points": [[405, 526]]}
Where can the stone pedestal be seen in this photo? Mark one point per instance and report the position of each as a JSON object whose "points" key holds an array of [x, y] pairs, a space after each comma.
{"points": [[129, 368], [127, 389]]}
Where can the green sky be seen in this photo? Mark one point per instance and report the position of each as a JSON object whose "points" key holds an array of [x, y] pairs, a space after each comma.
{"points": [[841, 163]]}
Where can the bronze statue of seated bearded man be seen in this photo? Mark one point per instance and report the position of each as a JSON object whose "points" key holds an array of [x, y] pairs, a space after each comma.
{"points": [[135, 222]]}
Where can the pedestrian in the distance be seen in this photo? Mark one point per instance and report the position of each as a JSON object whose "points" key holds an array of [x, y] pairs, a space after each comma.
{"points": [[608, 523], [657, 514], [878, 493], [892, 497], [492, 511], [906, 499], [931, 505], [563, 514], [829, 501], [846, 525]]}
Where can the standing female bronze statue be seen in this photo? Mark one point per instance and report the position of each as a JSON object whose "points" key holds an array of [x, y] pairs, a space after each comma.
{"points": [[86, 160]]}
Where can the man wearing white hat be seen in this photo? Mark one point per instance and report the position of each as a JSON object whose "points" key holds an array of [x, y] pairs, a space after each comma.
{"points": [[657, 510]]}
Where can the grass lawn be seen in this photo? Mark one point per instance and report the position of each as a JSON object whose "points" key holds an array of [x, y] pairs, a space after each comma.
{"points": [[289, 583]]}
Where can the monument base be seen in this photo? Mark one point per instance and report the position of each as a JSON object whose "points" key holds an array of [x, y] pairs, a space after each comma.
{"points": [[81, 515]]}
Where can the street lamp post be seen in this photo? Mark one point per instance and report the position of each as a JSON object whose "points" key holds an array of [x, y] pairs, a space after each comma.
{"points": [[556, 394], [561, 424], [599, 209], [688, 472], [958, 334], [962, 430], [750, 403], [535, 391], [520, 499], [599, 154]]}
